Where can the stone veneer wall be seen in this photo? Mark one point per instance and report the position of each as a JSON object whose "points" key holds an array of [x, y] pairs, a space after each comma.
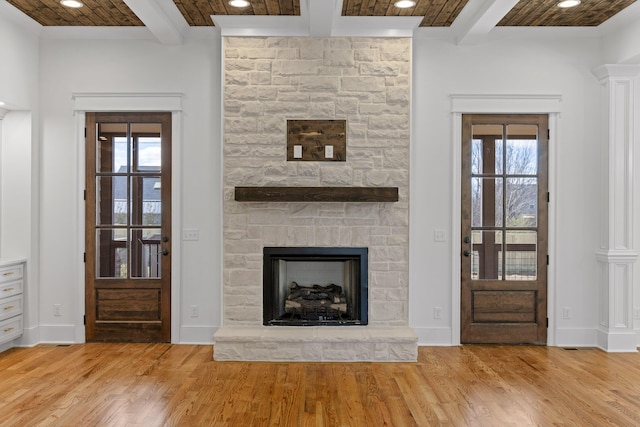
{"points": [[270, 80]]}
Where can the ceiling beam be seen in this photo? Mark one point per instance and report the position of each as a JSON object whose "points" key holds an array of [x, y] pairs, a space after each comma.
{"points": [[318, 18], [479, 17], [321, 14], [162, 18]]}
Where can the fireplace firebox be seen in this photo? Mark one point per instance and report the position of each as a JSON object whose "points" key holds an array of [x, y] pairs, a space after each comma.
{"points": [[312, 286]]}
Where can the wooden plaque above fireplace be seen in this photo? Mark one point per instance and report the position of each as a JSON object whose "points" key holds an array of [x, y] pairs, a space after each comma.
{"points": [[316, 194]]}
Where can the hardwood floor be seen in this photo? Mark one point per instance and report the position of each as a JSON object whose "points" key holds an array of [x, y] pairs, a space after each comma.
{"points": [[180, 385]]}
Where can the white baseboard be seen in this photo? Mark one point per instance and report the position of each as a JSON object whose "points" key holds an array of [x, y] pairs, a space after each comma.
{"points": [[583, 337], [616, 342], [435, 337], [57, 334], [197, 334], [30, 337]]}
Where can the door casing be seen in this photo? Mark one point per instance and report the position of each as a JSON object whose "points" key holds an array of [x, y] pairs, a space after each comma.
{"points": [[549, 104], [124, 102]]}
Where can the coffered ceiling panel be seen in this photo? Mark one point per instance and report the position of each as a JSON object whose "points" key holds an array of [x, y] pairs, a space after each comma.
{"points": [[198, 12], [437, 13], [536, 13], [107, 13]]}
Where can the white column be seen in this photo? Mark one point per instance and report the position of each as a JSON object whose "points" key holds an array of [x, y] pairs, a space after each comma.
{"points": [[617, 255]]}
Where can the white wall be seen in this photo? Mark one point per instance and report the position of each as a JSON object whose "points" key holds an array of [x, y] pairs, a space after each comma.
{"points": [[126, 66], [514, 65], [622, 46], [19, 183], [19, 69]]}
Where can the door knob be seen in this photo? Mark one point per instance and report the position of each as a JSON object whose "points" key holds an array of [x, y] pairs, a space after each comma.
{"points": [[165, 239], [165, 252], [466, 253]]}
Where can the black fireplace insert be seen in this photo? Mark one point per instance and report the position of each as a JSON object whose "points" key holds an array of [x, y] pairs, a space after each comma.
{"points": [[311, 286]]}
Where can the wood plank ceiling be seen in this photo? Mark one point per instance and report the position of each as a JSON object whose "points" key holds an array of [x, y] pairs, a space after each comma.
{"points": [[95, 13], [436, 13], [537, 13]]}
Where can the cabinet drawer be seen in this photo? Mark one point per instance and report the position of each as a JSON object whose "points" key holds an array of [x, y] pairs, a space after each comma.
{"points": [[10, 273], [10, 307], [10, 289], [10, 329]]}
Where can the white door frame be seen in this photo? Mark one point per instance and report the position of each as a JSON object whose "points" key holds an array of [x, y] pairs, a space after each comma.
{"points": [[131, 102], [501, 104]]}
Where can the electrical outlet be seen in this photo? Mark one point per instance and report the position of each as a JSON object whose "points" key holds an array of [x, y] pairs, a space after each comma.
{"points": [[56, 310], [194, 311], [566, 313], [437, 312]]}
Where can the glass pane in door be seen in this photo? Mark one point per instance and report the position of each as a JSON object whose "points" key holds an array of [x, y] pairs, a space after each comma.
{"points": [[521, 255], [146, 254], [486, 256], [111, 252], [483, 191], [522, 150], [147, 195], [111, 148], [521, 202], [112, 194]]}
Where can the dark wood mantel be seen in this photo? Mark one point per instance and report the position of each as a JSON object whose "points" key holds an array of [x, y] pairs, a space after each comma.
{"points": [[316, 194]]}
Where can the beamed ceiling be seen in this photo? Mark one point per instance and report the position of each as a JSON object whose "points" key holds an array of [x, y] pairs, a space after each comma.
{"points": [[167, 19]]}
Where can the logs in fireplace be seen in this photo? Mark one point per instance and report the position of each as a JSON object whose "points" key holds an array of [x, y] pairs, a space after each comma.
{"points": [[306, 286], [315, 302]]}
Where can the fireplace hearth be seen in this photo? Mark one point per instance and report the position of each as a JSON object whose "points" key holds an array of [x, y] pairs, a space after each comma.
{"points": [[315, 286]]}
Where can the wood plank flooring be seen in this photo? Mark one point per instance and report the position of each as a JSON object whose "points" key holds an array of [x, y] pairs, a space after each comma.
{"points": [[180, 385]]}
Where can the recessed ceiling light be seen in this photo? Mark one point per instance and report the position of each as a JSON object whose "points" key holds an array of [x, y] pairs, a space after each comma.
{"points": [[72, 3], [239, 3], [404, 4], [1, 103], [568, 3]]}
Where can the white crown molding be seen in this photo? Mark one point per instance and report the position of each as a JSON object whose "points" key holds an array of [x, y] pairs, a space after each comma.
{"points": [[608, 71]]}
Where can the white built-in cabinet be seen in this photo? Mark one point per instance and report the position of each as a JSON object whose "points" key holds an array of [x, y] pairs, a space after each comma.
{"points": [[11, 299]]}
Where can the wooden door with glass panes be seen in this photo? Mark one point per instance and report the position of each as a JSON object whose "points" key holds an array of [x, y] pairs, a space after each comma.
{"points": [[128, 227], [504, 229]]}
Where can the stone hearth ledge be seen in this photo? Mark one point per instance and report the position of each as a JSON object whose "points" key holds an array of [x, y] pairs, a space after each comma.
{"points": [[316, 344]]}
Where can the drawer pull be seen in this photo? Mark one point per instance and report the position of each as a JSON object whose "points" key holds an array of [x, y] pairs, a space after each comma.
{"points": [[7, 289], [9, 307], [9, 273], [8, 330]]}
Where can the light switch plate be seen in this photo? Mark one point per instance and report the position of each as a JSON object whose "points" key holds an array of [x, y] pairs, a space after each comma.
{"points": [[328, 151], [190, 234], [297, 151]]}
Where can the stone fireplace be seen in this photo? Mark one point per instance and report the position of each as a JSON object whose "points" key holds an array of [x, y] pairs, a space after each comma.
{"points": [[366, 82]]}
